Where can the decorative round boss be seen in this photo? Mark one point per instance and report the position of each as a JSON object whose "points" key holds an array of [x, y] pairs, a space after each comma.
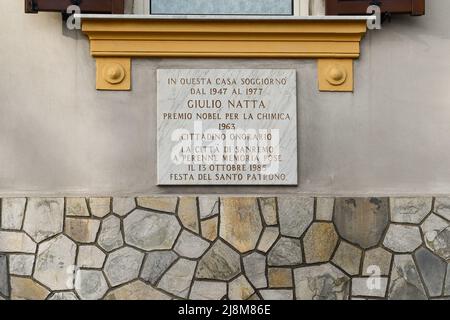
{"points": [[336, 75], [114, 73]]}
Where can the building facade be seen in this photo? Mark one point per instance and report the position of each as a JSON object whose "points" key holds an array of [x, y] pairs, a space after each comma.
{"points": [[79, 166]]}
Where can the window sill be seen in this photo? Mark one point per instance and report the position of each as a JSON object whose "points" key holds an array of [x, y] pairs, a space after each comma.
{"points": [[222, 17]]}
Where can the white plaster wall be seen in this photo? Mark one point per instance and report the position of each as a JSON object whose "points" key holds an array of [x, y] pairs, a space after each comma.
{"points": [[60, 136]]}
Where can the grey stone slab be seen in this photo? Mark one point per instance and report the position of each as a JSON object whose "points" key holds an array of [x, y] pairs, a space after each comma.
{"points": [[442, 207], [13, 210], [402, 238], [208, 206], [177, 280], [110, 236], [220, 262], [150, 230], [44, 218], [295, 214], [240, 7], [67, 295], [21, 264], [369, 287], [324, 209], [410, 210], [361, 220], [348, 258], [321, 282], [432, 269], [269, 210], [90, 257], [122, 206], [190, 245], [155, 264], [405, 281], [378, 261], [214, 129], [123, 266], [277, 294], [90, 284], [447, 282], [54, 259], [436, 231], [4, 286], [255, 269], [208, 290], [286, 252]]}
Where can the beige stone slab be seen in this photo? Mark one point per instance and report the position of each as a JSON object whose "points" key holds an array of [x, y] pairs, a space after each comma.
{"points": [[100, 207], [27, 289], [16, 242], [165, 204], [76, 207]]}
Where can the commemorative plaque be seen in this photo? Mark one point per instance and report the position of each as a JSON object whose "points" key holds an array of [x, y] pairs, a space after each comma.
{"points": [[227, 127]]}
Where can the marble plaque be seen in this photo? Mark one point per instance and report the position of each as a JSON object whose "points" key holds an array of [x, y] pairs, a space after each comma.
{"points": [[240, 7], [227, 127]]}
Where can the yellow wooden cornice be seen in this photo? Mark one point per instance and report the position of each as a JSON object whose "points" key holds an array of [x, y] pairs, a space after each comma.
{"points": [[334, 41]]}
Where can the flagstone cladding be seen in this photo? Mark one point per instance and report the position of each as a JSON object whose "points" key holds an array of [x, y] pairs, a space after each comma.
{"points": [[211, 247]]}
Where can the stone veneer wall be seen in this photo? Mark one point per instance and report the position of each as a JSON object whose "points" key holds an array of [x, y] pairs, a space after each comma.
{"points": [[207, 247]]}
